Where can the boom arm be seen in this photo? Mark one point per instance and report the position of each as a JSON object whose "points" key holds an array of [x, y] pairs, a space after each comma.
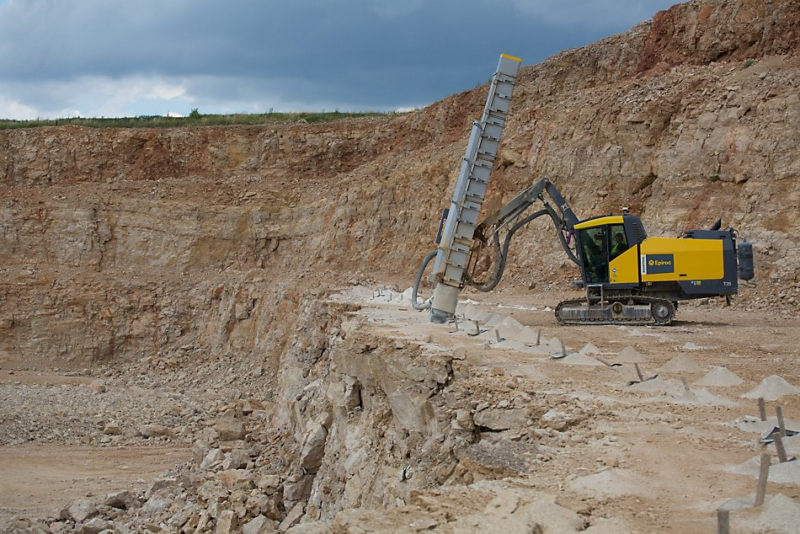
{"points": [[562, 216], [567, 220]]}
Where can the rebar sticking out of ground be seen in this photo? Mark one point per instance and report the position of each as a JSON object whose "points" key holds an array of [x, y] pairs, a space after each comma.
{"points": [[780, 448], [723, 521], [685, 384], [781, 422], [763, 476], [639, 372]]}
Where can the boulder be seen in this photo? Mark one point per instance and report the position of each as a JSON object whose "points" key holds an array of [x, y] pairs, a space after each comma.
{"points": [[236, 459], [313, 527], [159, 485], [199, 450], [313, 447], [258, 525], [154, 431], [81, 510], [122, 500], [292, 518], [269, 483], [227, 523], [112, 429], [501, 419], [234, 479], [95, 526], [230, 429], [297, 489], [463, 420], [214, 458], [156, 505]]}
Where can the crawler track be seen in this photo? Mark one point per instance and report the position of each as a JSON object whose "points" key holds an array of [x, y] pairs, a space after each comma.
{"points": [[661, 311]]}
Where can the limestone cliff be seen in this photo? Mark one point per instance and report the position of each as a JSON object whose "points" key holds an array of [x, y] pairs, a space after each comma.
{"points": [[131, 242]]}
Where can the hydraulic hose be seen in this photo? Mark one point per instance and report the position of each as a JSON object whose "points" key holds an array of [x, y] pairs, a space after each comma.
{"points": [[501, 255], [557, 221], [418, 279]]}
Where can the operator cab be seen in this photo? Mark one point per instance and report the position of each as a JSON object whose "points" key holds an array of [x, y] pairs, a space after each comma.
{"points": [[602, 240]]}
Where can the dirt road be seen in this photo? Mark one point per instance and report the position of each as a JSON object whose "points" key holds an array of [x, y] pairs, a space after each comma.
{"points": [[38, 481]]}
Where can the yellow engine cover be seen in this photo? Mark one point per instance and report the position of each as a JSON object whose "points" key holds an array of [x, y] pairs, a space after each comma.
{"points": [[665, 259]]}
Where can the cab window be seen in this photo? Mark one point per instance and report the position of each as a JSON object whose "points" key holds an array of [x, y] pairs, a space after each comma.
{"points": [[594, 246], [618, 242]]}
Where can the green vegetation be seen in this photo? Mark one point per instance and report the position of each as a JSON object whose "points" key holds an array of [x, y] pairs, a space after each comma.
{"points": [[195, 118], [748, 63], [713, 178]]}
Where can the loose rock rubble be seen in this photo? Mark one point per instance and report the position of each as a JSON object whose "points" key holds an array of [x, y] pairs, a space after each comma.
{"points": [[371, 421]]}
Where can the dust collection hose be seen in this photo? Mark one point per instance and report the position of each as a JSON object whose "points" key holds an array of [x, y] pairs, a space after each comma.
{"points": [[418, 279], [502, 255]]}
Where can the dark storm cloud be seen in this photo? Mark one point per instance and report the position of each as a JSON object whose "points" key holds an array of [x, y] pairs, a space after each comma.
{"points": [[356, 54]]}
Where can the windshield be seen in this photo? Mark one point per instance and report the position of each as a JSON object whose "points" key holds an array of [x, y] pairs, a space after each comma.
{"points": [[594, 246]]}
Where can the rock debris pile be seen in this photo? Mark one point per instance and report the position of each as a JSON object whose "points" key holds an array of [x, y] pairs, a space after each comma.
{"points": [[367, 423]]}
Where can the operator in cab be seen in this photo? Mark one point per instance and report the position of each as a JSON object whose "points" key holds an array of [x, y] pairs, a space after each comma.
{"points": [[619, 245]]}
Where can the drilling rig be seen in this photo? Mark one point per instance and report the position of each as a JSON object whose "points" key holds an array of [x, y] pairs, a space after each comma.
{"points": [[628, 277]]}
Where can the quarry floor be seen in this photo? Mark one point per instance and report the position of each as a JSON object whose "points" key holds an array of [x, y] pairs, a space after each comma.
{"points": [[659, 456], [654, 456]]}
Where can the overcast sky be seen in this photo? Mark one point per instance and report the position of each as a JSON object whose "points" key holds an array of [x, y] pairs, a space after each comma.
{"points": [[114, 58]]}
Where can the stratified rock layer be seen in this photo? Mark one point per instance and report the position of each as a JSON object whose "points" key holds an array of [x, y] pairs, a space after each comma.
{"points": [[128, 242]]}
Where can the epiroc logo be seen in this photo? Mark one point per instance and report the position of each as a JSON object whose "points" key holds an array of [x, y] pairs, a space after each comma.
{"points": [[659, 264]]}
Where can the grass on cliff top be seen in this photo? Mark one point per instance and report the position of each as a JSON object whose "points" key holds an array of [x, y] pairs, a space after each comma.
{"points": [[195, 119]]}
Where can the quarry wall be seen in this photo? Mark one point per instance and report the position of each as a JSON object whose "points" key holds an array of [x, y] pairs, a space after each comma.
{"points": [[114, 242]]}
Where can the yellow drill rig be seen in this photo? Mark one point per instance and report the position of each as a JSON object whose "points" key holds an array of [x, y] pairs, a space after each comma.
{"points": [[629, 278]]}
